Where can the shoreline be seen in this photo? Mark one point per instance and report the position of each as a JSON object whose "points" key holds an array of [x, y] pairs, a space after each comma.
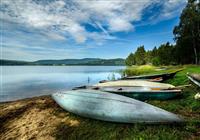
{"points": [[41, 118], [24, 99]]}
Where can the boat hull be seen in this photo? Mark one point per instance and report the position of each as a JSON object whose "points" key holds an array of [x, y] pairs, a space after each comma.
{"points": [[164, 76], [195, 78], [143, 93], [112, 107], [134, 83]]}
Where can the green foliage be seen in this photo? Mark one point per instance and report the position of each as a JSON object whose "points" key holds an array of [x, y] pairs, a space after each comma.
{"points": [[138, 58], [154, 52], [137, 70], [150, 69], [148, 57], [187, 34], [130, 60], [187, 37], [140, 55], [156, 61], [165, 54]]}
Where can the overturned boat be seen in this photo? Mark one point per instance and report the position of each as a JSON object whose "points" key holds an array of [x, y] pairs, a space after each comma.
{"points": [[112, 107]]}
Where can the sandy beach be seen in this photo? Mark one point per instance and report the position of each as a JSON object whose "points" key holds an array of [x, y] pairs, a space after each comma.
{"points": [[35, 118], [41, 118]]}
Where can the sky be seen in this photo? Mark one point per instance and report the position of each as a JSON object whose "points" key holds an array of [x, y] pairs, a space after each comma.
{"points": [[61, 29]]}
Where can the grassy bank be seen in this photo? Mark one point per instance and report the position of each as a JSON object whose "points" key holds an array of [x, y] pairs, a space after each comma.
{"points": [[42, 118], [149, 69]]}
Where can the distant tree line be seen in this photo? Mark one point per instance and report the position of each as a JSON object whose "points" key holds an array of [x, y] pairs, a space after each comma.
{"points": [[73, 62], [187, 47], [164, 55]]}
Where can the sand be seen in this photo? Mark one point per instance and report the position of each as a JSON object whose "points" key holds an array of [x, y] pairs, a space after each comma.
{"points": [[35, 118]]}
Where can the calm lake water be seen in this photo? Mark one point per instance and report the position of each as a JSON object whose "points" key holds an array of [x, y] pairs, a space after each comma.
{"points": [[18, 82]]}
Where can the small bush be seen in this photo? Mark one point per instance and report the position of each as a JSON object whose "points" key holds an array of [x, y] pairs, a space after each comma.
{"points": [[156, 61]]}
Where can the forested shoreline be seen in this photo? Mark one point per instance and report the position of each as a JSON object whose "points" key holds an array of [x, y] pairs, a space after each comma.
{"points": [[186, 49], [67, 62]]}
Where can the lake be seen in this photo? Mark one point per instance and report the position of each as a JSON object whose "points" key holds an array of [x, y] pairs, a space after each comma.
{"points": [[18, 82]]}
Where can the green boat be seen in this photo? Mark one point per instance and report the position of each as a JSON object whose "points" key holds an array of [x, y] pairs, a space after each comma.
{"points": [[143, 93]]}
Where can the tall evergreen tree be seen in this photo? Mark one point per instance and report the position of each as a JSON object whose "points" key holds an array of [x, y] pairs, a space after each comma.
{"points": [[130, 60], [165, 54], [140, 55], [154, 52], [187, 34]]}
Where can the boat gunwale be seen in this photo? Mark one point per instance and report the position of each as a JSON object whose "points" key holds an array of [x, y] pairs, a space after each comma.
{"points": [[193, 80], [145, 91]]}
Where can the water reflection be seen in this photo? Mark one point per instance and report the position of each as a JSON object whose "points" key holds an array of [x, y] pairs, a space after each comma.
{"points": [[19, 82]]}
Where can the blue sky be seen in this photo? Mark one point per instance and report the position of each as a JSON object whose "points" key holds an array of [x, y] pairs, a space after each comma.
{"points": [[60, 29]]}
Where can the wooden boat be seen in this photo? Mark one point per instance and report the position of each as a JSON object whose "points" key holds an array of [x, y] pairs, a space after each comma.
{"points": [[143, 93], [134, 83], [164, 76], [195, 78], [112, 107]]}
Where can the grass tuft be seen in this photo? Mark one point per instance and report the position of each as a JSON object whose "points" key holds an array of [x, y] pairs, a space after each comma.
{"points": [[137, 70]]}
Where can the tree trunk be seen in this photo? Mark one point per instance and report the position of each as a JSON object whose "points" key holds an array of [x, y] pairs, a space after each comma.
{"points": [[195, 54], [195, 49]]}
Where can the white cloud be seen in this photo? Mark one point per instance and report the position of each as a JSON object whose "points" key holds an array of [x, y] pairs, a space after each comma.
{"points": [[60, 17], [171, 8], [119, 24], [77, 31]]}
